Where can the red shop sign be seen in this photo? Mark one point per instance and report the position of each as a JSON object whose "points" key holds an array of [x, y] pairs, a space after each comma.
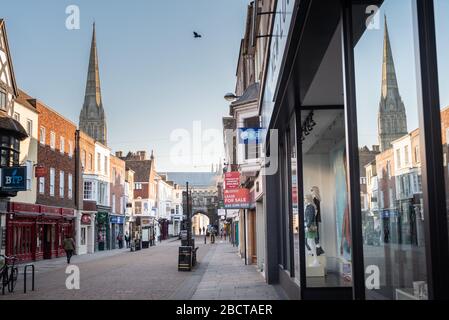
{"points": [[86, 219], [40, 171], [232, 180], [237, 199]]}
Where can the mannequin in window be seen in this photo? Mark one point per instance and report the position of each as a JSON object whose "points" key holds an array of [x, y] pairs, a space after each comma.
{"points": [[317, 201], [311, 228]]}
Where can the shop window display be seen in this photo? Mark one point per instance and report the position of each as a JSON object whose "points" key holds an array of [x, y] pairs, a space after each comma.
{"points": [[389, 135], [326, 210]]}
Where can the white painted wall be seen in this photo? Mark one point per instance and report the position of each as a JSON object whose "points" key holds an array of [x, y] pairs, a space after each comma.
{"points": [[28, 151]]}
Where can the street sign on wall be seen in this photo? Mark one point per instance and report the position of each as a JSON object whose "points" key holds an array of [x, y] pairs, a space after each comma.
{"points": [[237, 199]]}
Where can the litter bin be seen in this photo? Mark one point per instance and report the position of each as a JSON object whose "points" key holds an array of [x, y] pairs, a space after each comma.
{"points": [[185, 258]]}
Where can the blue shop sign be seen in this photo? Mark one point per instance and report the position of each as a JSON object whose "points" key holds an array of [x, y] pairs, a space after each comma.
{"points": [[250, 135], [13, 178], [117, 219]]}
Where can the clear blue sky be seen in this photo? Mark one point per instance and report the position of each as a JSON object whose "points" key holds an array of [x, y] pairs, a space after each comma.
{"points": [[155, 76]]}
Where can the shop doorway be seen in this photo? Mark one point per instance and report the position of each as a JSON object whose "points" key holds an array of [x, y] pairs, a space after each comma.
{"points": [[49, 237]]}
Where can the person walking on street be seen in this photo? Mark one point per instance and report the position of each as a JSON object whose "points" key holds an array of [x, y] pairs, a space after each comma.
{"points": [[69, 247], [127, 240], [120, 241], [204, 231]]}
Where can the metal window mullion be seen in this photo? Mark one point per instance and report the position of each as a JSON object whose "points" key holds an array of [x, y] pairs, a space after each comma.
{"points": [[352, 152], [433, 184]]}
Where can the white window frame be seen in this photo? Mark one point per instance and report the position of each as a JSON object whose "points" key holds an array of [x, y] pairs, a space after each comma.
{"points": [[52, 182], [113, 203], [42, 137], [70, 186], [62, 144], [42, 185], [92, 190], [29, 127], [70, 151], [29, 166], [52, 140], [61, 184]]}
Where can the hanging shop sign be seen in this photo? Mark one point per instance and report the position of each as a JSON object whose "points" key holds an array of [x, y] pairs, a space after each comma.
{"points": [[13, 179], [250, 135], [86, 219], [40, 172], [102, 217], [237, 199], [117, 219], [232, 180]]}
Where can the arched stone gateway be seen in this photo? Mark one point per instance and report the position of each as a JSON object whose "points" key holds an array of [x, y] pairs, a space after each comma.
{"points": [[211, 213]]}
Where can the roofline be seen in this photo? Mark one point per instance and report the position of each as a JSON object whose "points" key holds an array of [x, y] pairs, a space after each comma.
{"points": [[54, 111], [8, 56]]}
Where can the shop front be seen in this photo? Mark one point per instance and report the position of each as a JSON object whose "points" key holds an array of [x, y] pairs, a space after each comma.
{"points": [[117, 224], [102, 231], [147, 234], [356, 208], [36, 232], [164, 225], [85, 233]]}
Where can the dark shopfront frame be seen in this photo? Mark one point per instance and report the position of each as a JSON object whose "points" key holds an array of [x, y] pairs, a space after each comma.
{"points": [[287, 106]]}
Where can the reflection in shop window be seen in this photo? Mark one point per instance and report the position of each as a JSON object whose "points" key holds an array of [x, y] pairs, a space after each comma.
{"points": [[388, 128], [442, 29]]}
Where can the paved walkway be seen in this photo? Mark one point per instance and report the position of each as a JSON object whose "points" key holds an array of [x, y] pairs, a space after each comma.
{"points": [[228, 278], [148, 274]]}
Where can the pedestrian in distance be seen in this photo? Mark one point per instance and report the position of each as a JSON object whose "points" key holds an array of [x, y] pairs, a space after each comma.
{"points": [[69, 247], [127, 239], [120, 240]]}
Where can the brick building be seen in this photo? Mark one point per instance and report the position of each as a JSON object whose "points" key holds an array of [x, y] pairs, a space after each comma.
{"points": [[86, 225], [145, 194], [42, 227], [117, 194]]}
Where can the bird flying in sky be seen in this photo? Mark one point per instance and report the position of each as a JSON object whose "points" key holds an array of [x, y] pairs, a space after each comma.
{"points": [[196, 35]]}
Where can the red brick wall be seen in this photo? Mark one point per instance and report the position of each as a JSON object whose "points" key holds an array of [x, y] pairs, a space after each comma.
{"points": [[117, 167], [143, 193], [87, 147], [49, 158]]}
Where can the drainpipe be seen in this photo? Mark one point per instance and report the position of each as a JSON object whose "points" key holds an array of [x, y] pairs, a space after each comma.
{"points": [[244, 233], [77, 199]]}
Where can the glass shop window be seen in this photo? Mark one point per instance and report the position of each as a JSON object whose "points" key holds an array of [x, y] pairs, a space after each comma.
{"points": [[252, 147], [388, 133], [326, 208], [9, 151], [442, 27]]}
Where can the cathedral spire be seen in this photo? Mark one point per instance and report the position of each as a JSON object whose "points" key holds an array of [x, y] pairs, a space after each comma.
{"points": [[392, 117], [93, 90], [92, 117], [389, 79]]}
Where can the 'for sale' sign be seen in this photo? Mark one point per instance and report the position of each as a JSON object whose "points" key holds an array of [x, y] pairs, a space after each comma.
{"points": [[237, 199]]}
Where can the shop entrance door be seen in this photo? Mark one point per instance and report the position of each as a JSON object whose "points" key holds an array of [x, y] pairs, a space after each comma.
{"points": [[48, 241]]}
